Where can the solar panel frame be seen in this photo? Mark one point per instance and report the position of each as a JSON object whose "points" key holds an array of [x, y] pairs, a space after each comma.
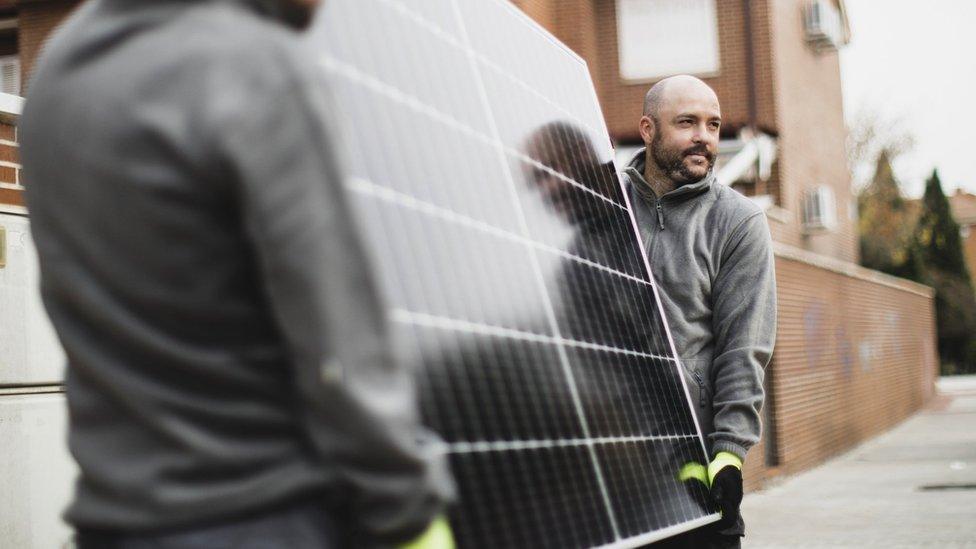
{"points": [[468, 339]]}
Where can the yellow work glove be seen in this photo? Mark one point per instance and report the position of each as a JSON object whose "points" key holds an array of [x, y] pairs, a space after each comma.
{"points": [[694, 477], [722, 460], [693, 471], [437, 536], [725, 480], [722, 479]]}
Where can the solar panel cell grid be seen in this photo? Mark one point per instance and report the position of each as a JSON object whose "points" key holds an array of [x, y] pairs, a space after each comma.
{"points": [[481, 174]]}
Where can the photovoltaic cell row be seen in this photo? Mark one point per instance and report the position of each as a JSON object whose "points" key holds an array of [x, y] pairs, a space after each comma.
{"points": [[488, 388], [645, 492], [453, 271], [395, 44], [421, 153], [546, 498], [532, 58], [537, 498], [630, 396]]}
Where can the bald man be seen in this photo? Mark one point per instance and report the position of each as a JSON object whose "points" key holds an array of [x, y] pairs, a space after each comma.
{"points": [[711, 254]]}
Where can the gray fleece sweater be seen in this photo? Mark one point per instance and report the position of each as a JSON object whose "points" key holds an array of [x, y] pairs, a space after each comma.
{"points": [[227, 350], [711, 255]]}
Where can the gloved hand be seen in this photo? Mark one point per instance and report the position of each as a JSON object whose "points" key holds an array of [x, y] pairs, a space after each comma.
{"points": [[694, 472], [725, 480], [437, 536], [694, 477]]}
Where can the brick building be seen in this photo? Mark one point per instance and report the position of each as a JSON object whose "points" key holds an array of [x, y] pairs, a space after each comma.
{"points": [[963, 207], [855, 348]]}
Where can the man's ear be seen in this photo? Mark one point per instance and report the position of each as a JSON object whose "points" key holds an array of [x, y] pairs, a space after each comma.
{"points": [[647, 129]]}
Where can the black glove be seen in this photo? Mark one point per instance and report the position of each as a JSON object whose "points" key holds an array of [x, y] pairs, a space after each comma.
{"points": [[726, 491]]}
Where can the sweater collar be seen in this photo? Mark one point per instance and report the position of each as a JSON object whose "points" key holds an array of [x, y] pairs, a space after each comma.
{"points": [[635, 169]]}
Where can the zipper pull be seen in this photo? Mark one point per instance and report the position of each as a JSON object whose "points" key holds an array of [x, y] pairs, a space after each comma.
{"points": [[660, 216], [701, 389]]}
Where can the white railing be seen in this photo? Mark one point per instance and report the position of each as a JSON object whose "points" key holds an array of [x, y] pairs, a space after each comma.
{"points": [[10, 107]]}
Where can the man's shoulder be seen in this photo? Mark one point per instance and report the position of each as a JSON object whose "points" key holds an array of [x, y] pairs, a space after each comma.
{"points": [[178, 50], [733, 207], [230, 36], [227, 64]]}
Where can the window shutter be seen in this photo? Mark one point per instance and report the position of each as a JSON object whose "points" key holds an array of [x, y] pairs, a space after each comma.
{"points": [[10, 74]]}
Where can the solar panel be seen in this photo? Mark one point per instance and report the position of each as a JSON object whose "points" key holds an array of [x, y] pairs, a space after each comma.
{"points": [[481, 173]]}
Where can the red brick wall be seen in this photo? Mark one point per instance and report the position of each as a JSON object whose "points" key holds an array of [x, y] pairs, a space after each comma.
{"points": [[36, 20], [539, 10], [854, 356], [10, 193]]}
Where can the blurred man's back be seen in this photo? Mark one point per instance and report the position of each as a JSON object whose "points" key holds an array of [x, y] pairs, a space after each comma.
{"points": [[225, 343]]}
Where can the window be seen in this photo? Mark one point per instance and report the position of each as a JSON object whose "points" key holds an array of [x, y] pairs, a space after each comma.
{"points": [[819, 210], [657, 38], [823, 25], [10, 74]]}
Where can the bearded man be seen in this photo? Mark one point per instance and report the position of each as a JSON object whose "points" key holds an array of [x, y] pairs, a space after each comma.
{"points": [[711, 255]]}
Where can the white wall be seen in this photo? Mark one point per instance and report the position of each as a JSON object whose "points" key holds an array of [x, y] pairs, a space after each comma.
{"points": [[36, 471]]}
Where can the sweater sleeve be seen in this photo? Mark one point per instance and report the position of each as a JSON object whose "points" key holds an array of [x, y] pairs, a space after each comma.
{"points": [[744, 326], [357, 407]]}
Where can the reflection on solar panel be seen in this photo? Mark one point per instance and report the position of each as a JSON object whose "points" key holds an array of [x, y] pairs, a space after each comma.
{"points": [[481, 173]]}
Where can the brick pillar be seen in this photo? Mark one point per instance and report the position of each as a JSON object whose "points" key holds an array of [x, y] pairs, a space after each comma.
{"points": [[575, 23], [36, 21]]}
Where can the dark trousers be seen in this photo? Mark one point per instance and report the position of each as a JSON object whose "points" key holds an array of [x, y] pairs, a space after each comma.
{"points": [[306, 525]]}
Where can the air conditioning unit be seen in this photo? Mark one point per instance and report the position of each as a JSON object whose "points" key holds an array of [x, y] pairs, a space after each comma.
{"points": [[10, 74], [823, 25], [819, 210]]}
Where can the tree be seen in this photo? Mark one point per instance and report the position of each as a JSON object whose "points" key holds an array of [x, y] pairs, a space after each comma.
{"points": [[939, 248], [871, 134], [886, 223]]}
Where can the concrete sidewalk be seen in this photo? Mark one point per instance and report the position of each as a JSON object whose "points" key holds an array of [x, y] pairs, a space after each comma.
{"points": [[914, 486]]}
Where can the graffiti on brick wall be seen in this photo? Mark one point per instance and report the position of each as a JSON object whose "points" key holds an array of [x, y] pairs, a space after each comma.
{"points": [[845, 351], [827, 340], [815, 333]]}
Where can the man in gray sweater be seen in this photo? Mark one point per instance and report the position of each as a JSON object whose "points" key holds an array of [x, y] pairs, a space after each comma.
{"points": [[711, 255], [229, 381]]}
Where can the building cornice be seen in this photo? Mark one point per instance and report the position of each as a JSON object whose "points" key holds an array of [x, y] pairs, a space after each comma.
{"points": [[852, 270]]}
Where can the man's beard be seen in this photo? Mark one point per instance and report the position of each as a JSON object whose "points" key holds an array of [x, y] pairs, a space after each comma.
{"points": [[672, 162]]}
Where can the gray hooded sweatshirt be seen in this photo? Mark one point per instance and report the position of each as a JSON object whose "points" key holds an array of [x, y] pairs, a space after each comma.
{"points": [[711, 254], [226, 348]]}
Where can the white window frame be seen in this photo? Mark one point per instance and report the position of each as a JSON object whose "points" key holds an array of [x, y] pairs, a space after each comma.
{"points": [[635, 32]]}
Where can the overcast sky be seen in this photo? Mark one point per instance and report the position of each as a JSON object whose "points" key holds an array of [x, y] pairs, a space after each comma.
{"points": [[917, 61]]}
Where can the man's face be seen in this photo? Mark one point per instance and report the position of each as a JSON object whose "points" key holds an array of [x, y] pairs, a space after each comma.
{"points": [[685, 137]]}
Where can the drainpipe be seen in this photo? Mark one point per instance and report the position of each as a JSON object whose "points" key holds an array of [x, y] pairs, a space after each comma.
{"points": [[770, 418], [750, 64]]}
